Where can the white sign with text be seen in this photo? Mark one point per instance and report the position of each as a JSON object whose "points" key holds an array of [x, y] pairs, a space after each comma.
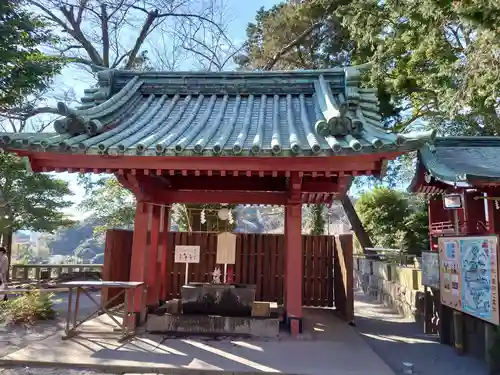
{"points": [[187, 254]]}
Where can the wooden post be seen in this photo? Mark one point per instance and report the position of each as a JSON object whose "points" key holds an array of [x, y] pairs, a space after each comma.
{"points": [[344, 274], [428, 311], [230, 274], [164, 254], [458, 328], [138, 262], [293, 267], [152, 276]]}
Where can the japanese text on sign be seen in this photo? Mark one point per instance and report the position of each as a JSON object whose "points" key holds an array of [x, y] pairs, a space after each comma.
{"points": [[187, 254]]}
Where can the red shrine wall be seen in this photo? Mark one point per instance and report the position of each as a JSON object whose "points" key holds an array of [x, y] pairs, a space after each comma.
{"points": [[260, 260], [117, 257], [471, 217]]}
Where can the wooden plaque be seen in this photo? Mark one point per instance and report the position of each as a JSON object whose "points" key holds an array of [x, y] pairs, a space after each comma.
{"points": [[226, 248]]}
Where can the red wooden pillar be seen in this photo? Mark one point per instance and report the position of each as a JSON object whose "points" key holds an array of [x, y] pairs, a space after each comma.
{"points": [[164, 254], [139, 253], [152, 276], [474, 213], [491, 213], [293, 267]]}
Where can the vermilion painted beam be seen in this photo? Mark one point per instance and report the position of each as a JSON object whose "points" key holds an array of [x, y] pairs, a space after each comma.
{"points": [[234, 183], [230, 197], [226, 183], [319, 187], [361, 162]]}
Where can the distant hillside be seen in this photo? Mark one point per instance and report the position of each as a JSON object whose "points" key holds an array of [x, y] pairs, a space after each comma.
{"points": [[77, 240]]}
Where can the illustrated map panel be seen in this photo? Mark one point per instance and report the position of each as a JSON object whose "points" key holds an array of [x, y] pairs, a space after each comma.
{"points": [[468, 275]]}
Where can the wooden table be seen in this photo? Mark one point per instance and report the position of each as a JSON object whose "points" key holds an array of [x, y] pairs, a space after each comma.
{"points": [[128, 289]]}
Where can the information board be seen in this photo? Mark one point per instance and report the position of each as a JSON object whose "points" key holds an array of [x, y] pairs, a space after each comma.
{"points": [[469, 275], [187, 254], [226, 248], [430, 269]]}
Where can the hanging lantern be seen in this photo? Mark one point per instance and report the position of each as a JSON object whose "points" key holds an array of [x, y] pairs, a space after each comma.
{"points": [[223, 213]]}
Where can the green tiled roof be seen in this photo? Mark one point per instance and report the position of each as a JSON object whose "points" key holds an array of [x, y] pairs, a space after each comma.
{"points": [[323, 112], [462, 159]]}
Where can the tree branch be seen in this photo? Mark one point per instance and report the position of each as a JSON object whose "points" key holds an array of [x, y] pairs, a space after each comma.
{"points": [[184, 15], [105, 35], [141, 38], [22, 114], [81, 8], [270, 64], [79, 36]]}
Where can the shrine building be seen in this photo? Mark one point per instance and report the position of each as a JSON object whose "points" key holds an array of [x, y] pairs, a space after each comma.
{"points": [[270, 138], [466, 166]]}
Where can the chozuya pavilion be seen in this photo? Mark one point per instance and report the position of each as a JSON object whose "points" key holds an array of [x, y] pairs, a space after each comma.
{"points": [[272, 138]]}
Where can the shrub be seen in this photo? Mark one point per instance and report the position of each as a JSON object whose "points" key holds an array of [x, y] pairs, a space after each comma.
{"points": [[28, 308]]}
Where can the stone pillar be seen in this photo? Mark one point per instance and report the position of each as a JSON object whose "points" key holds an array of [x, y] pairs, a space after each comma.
{"points": [[293, 267]]}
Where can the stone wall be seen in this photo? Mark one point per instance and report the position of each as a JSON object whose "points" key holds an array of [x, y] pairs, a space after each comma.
{"points": [[395, 286]]}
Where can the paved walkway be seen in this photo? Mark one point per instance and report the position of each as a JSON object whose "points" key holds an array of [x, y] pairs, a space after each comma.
{"points": [[396, 340], [392, 338], [330, 346]]}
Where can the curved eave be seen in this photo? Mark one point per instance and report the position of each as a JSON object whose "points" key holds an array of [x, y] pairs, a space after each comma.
{"points": [[56, 144], [448, 175]]}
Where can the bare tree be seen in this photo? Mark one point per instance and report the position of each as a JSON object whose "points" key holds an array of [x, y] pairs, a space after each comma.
{"points": [[127, 34], [104, 34]]}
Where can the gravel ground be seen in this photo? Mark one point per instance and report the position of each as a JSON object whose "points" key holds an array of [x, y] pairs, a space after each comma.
{"points": [[397, 340]]}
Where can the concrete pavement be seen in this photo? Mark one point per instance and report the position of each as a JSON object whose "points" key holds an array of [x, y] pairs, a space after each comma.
{"points": [[329, 346], [396, 340]]}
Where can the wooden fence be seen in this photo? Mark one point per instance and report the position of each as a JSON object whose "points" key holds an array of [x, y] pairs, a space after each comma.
{"points": [[259, 260]]}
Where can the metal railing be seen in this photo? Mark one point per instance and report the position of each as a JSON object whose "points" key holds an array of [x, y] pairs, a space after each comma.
{"points": [[447, 228], [40, 272]]}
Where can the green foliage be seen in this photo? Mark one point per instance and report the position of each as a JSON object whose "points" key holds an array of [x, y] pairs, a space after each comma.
{"points": [[30, 201], [433, 62], [24, 68], [316, 219], [111, 204], [28, 308], [327, 45], [438, 56], [394, 220]]}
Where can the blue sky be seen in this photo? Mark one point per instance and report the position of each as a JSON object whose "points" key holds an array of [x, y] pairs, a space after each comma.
{"points": [[240, 13]]}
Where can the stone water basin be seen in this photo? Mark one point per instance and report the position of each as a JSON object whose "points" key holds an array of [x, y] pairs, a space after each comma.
{"points": [[234, 300]]}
